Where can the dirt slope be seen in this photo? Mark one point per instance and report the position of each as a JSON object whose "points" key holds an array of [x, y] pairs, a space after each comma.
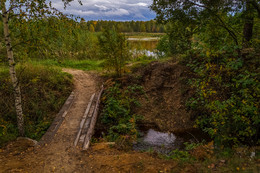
{"points": [[61, 156], [166, 88]]}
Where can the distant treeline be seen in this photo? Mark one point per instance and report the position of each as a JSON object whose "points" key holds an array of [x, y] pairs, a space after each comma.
{"points": [[126, 26]]}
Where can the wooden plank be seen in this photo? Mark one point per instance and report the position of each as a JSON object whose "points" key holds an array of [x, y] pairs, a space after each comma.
{"points": [[84, 119], [92, 111], [82, 137], [93, 122], [49, 135], [89, 105], [87, 123], [86, 127], [69, 102], [64, 114]]}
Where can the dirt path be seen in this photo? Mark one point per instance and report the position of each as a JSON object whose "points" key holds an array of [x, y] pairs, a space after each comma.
{"points": [[61, 156], [60, 153]]}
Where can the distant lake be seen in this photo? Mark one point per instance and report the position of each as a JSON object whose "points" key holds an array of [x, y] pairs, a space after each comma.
{"points": [[143, 46]]}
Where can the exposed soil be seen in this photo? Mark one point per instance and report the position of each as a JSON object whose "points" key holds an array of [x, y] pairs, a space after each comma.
{"points": [[166, 90], [61, 156]]}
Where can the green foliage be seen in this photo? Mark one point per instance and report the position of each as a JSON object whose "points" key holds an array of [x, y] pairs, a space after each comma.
{"points": [[228, 95], [114, 49], [183, 155], [50, 38], [163, 46], [180, 35], [55, 38], [216, 23], [117, 114], [178, 38], [44, 90], [179, 155]]}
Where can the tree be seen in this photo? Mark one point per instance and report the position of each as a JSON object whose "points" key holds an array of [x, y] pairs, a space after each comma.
{"points": [[91, 28], [16, 11], [200, 12], [248, 23], [114, 49], [142, 27]]}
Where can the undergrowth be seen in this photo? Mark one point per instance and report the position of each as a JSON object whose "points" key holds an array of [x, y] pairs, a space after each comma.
{"points": [[201, 157], [117, 114], [44, 91], [227, 96]]}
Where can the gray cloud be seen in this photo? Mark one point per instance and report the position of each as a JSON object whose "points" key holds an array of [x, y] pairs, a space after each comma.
{"points": [[108, 9]]}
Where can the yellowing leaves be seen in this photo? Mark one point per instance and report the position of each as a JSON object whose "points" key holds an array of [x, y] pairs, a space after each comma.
{"points": [[35, 80]]}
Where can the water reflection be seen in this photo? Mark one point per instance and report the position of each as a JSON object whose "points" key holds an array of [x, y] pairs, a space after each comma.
{"points": [[158, 138], [141, 45], [137, 53], [157, 141], [165, 143], [144, 46]]}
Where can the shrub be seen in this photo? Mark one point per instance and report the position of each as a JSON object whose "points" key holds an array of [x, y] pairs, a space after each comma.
{"points": [[114, 49], [117, 114], [228, 98]]}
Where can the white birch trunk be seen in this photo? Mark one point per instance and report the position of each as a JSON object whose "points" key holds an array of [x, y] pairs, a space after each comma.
{"points": [[15, 83]]}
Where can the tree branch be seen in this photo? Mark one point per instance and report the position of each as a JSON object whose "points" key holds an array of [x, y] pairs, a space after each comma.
{"points": [[256, 6], [232, 34]]}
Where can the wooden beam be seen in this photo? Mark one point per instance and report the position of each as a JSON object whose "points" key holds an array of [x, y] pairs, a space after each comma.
{"points": [[84, 119], [93, 122]]}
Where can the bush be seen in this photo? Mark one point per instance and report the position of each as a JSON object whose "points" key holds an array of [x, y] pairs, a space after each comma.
{"points": [[163, 46], [44, 90], [228, 98]]}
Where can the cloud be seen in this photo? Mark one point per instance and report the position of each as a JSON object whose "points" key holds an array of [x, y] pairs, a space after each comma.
{"points": [[142, 4], [108, 9], [101, 7]]}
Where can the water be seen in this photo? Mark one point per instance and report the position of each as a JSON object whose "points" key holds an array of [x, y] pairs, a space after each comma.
{"points": [[165, 143], [160, 142], [158, 138], [144, 39], [137, 53], [144, 46]]}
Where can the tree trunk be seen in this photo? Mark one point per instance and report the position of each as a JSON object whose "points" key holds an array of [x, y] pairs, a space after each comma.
{"points": [[15, 83], [248, 25]]}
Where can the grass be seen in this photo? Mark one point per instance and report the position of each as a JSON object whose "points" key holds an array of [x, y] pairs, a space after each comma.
{"points": [[143, 34], [3, 68], [87, 65], [143, 61]]}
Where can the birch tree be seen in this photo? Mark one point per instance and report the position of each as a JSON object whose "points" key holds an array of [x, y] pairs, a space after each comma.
{"points": [[16, 11]]}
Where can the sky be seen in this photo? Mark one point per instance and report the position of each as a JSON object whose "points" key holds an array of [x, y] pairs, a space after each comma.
{"points": [[119, 10]]}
